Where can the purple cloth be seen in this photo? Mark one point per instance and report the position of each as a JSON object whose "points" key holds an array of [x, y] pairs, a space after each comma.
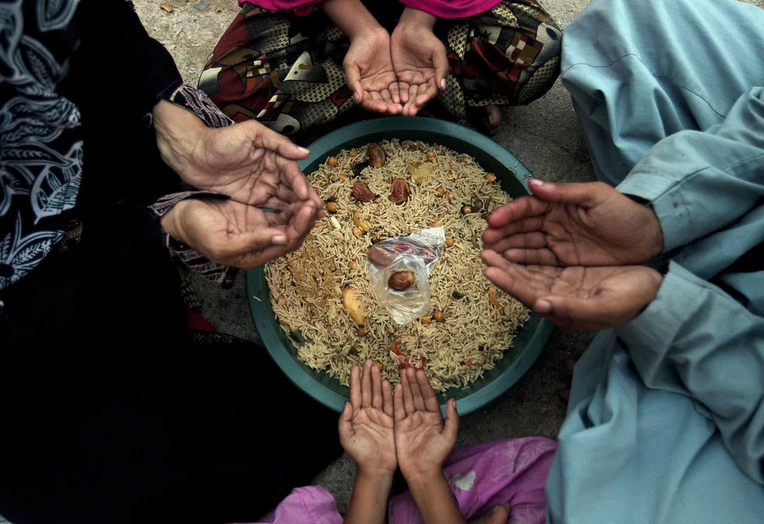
{"points": [[481, 477]]}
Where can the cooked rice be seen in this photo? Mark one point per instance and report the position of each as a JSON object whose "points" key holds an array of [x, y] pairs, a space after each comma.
{"points": [[306, 285]]}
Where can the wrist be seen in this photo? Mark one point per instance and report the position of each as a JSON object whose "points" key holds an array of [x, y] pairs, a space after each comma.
{"points": [[377, 476], [351, 17], [422, 476], [178, 134], [412, 18]]}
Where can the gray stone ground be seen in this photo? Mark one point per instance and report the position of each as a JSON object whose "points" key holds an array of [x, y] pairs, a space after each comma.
{"points": [[545, 136]]}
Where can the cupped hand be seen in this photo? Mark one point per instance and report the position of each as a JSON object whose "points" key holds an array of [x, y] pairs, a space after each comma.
{"points": [[420, 63], [236, 234], [422, 439], [366, 422], [370, 75], [247, 162], [574, 224], [576, 297]]}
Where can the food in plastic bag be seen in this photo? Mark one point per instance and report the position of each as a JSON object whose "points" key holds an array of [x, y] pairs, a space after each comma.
{"points": [[399, 268]]}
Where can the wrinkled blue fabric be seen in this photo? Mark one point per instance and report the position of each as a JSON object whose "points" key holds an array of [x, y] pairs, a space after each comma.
{"points": [[666, 416]]}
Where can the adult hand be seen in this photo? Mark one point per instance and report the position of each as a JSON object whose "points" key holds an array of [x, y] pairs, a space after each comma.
{"points": [[419, 60], [236, 234], [422, 440], [366, 422], [574, 224], [248, 162], [369, 72], [576, 297]]}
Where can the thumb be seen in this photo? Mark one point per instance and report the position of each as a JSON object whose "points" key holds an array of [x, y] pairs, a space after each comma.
{"points": [[575, 194], [249, 241], [606, 310], [451, 426], [262, 137], [440, 61], [345, 427], [353, 75]]}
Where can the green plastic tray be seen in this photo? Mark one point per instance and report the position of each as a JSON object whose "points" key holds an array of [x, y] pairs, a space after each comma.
{"points": [[512, 175]]}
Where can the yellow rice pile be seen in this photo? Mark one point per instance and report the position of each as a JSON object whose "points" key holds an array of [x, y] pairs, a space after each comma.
{"points": [[306, 286]]}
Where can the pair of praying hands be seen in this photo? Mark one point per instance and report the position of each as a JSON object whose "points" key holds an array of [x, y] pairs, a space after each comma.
{"points": [[573, 254], [398, 73], [383, 429]]}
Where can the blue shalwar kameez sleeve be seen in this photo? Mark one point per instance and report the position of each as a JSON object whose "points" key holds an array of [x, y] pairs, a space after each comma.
{"points": [[666, 416]]}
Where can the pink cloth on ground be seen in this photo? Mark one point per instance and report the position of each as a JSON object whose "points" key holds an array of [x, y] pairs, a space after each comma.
{"points": [[438, 8], [481, 477]]}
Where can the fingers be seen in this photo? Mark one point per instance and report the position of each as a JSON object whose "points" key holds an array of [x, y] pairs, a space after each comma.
{"points": [[575, 313], [376, 387], [408, 399], [345, 426], [526, 284], [293, 179], [416, 392], [387, 398], [531, 240], [395, 94], [393, 108], [366, 385], [411, 109], [524, 248], [353, 75], [451, 427], [426, 93], [440, 61], [242, 246], [266, 138], [540, 257], [574, 194], [302, 223], [614, 301], [428, 394], [519, 209], [295, 232], [355, 387], [403, 89], [399, 409]]}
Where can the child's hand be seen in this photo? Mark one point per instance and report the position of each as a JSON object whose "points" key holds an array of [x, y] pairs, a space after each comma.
{"points": [[366, 422], [422, 440]]}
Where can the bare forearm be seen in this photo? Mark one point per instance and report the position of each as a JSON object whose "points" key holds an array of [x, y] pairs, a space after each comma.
{"points": [[434, 499], [368, 504], [415, 17], [178, 134], [351, 16]]}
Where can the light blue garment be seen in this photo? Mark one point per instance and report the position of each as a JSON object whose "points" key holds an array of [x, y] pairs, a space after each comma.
{"points": [[666, 417]]}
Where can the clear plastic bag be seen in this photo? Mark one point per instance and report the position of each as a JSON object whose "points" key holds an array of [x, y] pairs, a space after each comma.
{"points": [[399, 268]]}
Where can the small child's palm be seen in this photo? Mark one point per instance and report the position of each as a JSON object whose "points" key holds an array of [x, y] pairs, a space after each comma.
{"points": [[419, 438], [372, 440], [366, 422]]}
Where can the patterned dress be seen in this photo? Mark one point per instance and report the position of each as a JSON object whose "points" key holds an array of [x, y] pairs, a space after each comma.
{"points": [[286, 70]]}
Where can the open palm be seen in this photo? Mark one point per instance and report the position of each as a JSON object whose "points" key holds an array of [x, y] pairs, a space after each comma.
{"points": [[421, 66], [237, 234], [251, 164], [370, 74], [422, 439], [576, 297], [574, 224], [366, 422]]}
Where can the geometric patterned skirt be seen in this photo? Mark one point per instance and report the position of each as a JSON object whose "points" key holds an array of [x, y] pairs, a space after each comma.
{"points": [[285, 70]]}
